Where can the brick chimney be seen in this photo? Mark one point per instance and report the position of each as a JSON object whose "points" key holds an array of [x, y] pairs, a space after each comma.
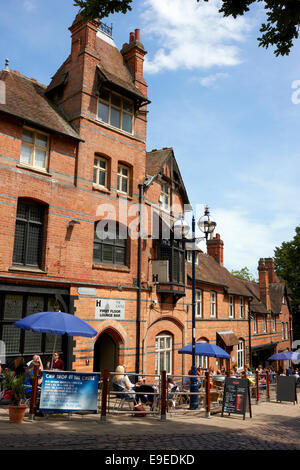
{"points": [[134, 54], [263, 273], [215, 248], [271, 272], [83, 36]]}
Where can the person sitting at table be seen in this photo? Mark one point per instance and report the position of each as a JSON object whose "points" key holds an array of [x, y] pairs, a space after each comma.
{"points": [[57, 363], [19, 367], [29, 376], [124, 383], [144, 392]]}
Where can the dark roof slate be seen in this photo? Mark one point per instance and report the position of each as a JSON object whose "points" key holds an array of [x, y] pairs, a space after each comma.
{"points": [[25, 98]]}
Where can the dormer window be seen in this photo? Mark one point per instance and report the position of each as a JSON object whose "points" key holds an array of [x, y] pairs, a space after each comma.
{"points": [[34, 149], [116, 110]]}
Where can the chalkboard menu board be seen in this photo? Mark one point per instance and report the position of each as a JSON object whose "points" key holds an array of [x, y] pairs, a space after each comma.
{"points": [[286, 388], [236, 398]]}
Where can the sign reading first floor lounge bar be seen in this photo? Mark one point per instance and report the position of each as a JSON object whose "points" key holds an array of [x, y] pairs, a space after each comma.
{"points": [[110, 309]]}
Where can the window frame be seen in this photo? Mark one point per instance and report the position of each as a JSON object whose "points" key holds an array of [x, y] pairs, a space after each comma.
{"points": [[115, 244], [167, 352], [165, 195], [34, 146], [120, 178], [255, 325], [265, 328], [98, 170], [27, 223], [242, 307], [241, 354], [199, 303], [120, 108], [213, 304], [231, 306]]}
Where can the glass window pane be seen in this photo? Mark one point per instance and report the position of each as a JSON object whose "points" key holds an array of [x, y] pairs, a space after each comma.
{"points": [[33, 254], [97, 252], [127, 106], [25, 157], [27, 136], [101, 179], [104, 95], [125, 171], [115, 100], [95, 175], [32, 342], [49, 344], [19, 247], [124, 188], [36, 214], [127, 122], [115, 117], [107, 251], [41, 140], [103, 112], [35, 304], [102, 164], [120, 255], [11, 338], [40, 158], [13, 307]]}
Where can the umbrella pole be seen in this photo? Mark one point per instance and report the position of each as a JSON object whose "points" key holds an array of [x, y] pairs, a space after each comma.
{"points": [[53, 351]]}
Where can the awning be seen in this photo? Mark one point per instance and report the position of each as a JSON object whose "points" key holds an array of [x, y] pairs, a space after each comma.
{"points": [[228, 337]]}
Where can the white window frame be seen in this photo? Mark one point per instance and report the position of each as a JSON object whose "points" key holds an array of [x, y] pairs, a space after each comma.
{"points": [[213, 304], [240, 355], [255, 325], [99, 169], [264, 323], [167, 352], [120, 108], [286, 335], [34, 146], [165, 196], [274, 323], [202, 361], [242, 307], [231, 306], [199, 303], [121, 177]]}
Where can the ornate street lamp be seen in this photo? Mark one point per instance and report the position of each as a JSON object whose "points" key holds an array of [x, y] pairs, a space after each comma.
{"points": [[181, 227]]}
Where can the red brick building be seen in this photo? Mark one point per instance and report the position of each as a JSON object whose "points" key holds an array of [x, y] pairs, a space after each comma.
{"points": [[74, 174]]}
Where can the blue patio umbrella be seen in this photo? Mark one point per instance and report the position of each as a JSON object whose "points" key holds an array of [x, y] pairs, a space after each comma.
{"points": [[285, 356], [205, 349], [58, 323]]}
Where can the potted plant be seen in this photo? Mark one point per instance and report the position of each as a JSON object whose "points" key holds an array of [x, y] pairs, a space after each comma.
{"points": [[17, 409]]}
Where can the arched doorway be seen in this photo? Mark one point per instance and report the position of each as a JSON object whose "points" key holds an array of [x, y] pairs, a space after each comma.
{"points": [[106, 352]]}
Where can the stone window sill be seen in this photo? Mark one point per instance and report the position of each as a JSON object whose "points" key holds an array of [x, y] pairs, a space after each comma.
{"points": [[111, 267], [33, 169], [101, 189], [27, 269]]}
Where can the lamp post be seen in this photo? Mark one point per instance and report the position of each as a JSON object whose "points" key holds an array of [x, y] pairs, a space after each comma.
{"points": [[207, 226]]}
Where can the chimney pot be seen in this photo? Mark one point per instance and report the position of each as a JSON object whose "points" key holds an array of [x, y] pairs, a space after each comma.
{"points": [[131, 37], [137, 34]]}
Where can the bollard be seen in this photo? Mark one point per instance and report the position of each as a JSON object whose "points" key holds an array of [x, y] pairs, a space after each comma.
{"points": [[207, 394], [163, 404], [104, 396], [257, 386], [34, 391], [268, 386]]}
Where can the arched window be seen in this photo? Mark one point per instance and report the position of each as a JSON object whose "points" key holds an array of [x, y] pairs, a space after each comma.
{"points": [[28, 242], [110, 243], [163, 353]]}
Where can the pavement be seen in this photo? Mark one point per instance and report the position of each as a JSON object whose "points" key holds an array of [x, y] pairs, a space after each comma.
{"points": [[273, 426]]}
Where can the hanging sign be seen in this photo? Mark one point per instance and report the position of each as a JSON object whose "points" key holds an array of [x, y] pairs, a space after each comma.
{"points": [[110, 309], [236, 398]]}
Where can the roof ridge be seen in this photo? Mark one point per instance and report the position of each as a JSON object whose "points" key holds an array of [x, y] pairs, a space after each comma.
{"points": [[31, 79]]}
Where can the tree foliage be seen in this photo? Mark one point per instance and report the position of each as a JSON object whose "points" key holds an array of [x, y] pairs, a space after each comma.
{"points": [[91, 9], [280, 29], [287, 266], [244, 273]]}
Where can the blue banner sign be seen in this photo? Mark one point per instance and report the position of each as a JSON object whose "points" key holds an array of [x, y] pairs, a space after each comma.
{"points": [[69, 392]]}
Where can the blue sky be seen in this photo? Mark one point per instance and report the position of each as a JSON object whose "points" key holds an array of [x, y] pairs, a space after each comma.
{"points": [[226, 106]]}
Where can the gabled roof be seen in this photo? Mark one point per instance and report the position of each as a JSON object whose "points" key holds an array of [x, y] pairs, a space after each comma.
{"points": [[209, 271], [25, 98], [155, 162]]}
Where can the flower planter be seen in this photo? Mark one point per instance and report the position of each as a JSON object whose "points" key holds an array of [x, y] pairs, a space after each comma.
{"points": [[16, 413]]}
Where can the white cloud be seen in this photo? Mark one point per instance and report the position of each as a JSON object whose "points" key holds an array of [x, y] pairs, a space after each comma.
{"points": [[29, 5], [192, 35], [210, 80]]}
